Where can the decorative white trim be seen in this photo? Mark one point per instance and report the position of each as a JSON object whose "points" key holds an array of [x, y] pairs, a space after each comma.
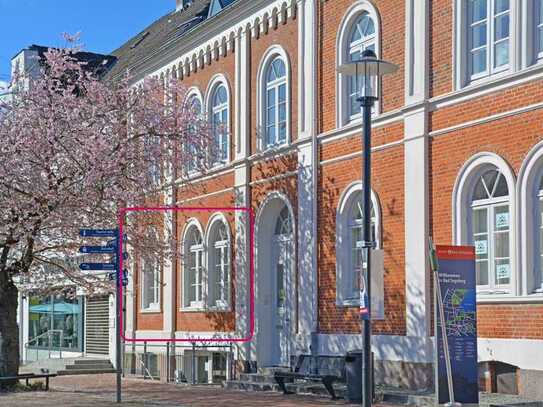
{"points": [[395, 348], [529, 177], [269, 56], [461, 197], [345, 27], [215, 37], [523, 353], [343, 250]]}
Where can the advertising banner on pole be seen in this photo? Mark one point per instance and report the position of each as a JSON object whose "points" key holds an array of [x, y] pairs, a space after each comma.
{"points": [[457, 286]]}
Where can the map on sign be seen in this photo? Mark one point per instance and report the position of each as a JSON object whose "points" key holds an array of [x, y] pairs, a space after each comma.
{"points": [[458, 304]]}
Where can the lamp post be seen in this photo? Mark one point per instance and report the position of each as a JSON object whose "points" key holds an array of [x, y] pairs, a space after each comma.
{"points": [[367, 71]]}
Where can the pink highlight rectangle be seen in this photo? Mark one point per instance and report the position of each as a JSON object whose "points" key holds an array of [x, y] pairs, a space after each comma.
{"points": [[250, 211]]}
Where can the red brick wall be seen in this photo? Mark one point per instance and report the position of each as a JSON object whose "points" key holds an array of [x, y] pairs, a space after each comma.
{"points": [[523, 321], [441, 26], [388, 184]]}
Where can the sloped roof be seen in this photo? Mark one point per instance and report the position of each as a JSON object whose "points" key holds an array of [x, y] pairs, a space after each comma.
{"points": [[169, 27]]}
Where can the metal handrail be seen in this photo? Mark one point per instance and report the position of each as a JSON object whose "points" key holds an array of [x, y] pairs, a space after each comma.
{"points": [[48, 334]]}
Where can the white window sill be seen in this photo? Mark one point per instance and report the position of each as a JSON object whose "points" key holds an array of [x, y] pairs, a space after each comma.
{"points": [[351, 302], [219, 308], [153, 310], [194, 308], [509, 299]]}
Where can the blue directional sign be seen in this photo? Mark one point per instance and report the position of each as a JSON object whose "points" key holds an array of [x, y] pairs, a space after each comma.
{"points": [[97, 249], [97, 233], [97, 266]]}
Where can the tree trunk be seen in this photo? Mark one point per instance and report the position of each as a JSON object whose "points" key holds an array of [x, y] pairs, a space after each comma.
{"points": [[9, 331]]}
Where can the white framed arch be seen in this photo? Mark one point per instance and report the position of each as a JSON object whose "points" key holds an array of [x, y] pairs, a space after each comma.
{"points": [[462, 195], [344, 267], [216, 248], [348, 21], [194, 91], [187, 249], [265, 225], [530, 220], [273, 52], [216, 81]]}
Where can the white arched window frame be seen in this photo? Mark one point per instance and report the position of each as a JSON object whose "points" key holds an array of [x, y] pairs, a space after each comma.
{"points": [[531, 221], [353, 38], [349, 236], [150, 285], [488, 222], [194, 102], [193, 257], [274, 99], [219, 263], [218, 110]]}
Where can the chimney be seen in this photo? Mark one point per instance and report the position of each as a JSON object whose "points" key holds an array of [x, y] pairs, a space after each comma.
{"points": [[182, 4]]}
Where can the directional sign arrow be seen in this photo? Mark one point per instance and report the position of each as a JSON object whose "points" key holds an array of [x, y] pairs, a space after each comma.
{"points": [[96, 266], [97, 233], [97, 249]]}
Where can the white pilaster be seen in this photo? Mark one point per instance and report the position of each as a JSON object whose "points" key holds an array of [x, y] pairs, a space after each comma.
{"points": [[242, 87], [307, 174], [416, 46], [417, 275], [241, 189]]}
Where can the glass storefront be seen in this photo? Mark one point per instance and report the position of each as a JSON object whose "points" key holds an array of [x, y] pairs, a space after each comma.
{"points": [[59, 315]]}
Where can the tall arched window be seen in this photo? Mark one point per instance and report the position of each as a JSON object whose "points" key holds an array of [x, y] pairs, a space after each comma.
{"points": [[193, 268], [283, 226], [219, 124], [194, 105], [150, 284], [350, 258], [358, 31], [219, 266], [275, 106], [490, 230], [363, 37]]}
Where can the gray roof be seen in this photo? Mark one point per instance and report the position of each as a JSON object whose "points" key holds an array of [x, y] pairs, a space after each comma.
{"points": [[169, 27]]}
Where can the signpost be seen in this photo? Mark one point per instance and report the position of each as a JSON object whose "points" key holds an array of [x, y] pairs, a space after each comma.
{"points": [[455, 324], [112, 247]]}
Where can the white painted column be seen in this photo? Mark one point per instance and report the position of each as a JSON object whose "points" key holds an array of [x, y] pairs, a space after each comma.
{"points": [[169, 274], [417, 273], [241, 190], [307, 176]]}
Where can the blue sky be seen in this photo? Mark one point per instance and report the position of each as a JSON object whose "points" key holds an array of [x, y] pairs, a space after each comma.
{"points": [[104, 24]]}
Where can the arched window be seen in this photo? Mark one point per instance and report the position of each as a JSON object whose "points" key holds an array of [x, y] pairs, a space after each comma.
{"points": [[363, 37], [358, 31], [219, 124], [150, 284], [193, 268], [275, 106], [350, 258], [490, 230], [283, 226], [194, 106], [219, 264]]}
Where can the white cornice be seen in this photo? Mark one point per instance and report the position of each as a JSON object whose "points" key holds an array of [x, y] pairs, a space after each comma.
{"points": [[215, 37]]}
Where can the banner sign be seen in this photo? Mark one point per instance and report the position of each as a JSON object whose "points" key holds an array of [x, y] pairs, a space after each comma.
{"points": [[377, 288], [458, 292]]}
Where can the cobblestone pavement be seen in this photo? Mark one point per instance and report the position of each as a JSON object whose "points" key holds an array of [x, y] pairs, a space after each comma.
{"points": [[99, 390]]}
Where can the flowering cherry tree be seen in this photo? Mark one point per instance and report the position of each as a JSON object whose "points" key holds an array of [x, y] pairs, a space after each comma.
{"points": [[74, 149]]}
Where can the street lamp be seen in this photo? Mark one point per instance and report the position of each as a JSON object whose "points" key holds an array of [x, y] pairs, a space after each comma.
{"points": [[367, 71]]}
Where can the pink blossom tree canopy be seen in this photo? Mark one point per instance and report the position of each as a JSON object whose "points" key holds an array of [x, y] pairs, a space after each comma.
{"points": [[74, 149]]}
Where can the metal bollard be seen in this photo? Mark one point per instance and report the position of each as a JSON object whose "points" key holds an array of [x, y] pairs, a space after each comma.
{"points": [[167, 362], [193, 370], [145, 360]]}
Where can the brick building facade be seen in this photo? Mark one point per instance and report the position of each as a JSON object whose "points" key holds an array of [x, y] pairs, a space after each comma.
{"points": [[457, 156]]}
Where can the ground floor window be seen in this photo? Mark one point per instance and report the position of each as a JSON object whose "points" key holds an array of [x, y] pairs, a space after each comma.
{"points": [[55, 321]]}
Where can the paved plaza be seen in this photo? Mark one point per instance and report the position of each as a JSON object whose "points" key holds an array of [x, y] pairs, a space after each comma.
{"points": [[99, 390]]}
